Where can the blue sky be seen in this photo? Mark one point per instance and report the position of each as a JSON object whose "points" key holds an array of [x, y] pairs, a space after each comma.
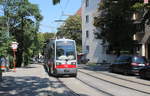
{"points": [[51, 13]]}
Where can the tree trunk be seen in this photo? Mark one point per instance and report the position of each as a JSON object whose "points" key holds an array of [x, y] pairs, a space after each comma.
{"points": [[20, 40], [19, 58]]}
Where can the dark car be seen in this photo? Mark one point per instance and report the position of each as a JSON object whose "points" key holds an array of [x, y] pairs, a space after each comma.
{"points": [[82, 58], [145, 72], [127, 64]]}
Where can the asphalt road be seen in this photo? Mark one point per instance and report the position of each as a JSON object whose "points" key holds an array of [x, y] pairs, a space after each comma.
{"points": [[91, 81]]}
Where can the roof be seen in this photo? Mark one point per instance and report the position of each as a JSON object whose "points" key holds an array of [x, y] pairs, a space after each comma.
{"points": [[79, 12]]}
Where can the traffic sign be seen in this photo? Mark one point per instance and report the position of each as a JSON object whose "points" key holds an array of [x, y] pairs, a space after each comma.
{"points": [[14, 45]]}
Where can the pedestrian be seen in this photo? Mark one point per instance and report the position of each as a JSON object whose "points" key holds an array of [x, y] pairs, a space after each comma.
{"points": [[7, 63], [3, 63]]}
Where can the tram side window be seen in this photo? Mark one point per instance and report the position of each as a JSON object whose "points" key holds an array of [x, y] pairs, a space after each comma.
{"points": [[51, 53]]}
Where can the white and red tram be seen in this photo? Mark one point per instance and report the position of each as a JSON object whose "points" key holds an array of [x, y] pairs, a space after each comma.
{"points": [[61, 57]]}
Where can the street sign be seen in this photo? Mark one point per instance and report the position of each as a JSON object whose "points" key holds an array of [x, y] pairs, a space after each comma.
{"points": [[14, 45]]}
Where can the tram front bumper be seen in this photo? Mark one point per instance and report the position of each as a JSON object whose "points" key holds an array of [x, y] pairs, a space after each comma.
{"points": [[66, 71]]}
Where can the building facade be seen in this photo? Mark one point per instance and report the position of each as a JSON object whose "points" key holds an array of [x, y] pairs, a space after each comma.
{"points": [[92, 47], [143, 36]]}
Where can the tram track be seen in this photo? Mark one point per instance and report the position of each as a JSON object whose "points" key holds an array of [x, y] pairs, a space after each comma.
{"points": [[123, 79], [93, 87], [102, 91], [70, 91], [115, 83]]}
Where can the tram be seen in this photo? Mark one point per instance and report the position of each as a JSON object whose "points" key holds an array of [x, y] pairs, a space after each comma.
{"points": [[61, 57]]}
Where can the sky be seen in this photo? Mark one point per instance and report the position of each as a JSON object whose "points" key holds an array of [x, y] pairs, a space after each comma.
{"points": [[51, 13]]}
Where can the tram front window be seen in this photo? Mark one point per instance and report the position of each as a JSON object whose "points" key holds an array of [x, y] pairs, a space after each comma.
{"points": [[65, 50]]}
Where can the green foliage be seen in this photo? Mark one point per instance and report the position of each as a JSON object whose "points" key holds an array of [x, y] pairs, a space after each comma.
{"points": [[23, 23], [72, 29], [5, 40], [116, 24], [42, 37], [138, 6]]}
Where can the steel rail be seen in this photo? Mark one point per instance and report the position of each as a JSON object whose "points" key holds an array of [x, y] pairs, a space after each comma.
{"points": [[69, 89], [123, 79], [109, 94], [114, 83]]}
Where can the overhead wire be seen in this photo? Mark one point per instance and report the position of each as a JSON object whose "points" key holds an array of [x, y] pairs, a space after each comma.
{"points": [[62, 13]]}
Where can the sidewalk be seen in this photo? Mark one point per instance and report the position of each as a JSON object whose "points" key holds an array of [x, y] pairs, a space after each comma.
{"points": [[29, 81]]}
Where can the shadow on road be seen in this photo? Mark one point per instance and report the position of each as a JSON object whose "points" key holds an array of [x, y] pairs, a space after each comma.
{"points": [[57, 84], [24, 86], [30, 86]]}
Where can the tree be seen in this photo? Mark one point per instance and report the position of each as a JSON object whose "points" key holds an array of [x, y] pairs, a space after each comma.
{"points": [[42, 37], [72, 29], [4, 38], [116, 24], [24, 19], [55, 1]]}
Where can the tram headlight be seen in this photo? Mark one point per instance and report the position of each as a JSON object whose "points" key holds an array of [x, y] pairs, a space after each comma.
{"points": [[73, 63], [58, 63]]}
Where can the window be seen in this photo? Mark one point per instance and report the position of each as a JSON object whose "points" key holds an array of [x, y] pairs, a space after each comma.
{"points": [[65, 49], [87, 48], [87, 18], [87, 3], [124, 59], [87, 34]]}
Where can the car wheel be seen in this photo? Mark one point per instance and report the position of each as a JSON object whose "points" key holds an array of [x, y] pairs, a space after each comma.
{"points": [[125, 72], [142, 74], [111, 70]]}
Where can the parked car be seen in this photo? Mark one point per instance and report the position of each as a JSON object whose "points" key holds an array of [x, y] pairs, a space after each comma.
{"points": [[82, 58], [145, 72], [127, 64]]}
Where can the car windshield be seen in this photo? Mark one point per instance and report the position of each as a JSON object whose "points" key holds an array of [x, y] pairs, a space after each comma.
{"points": [[123, 59], [65, 50], [139, 60]]}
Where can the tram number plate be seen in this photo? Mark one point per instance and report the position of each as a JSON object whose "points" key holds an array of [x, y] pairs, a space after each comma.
{"points": [[66, 70]]}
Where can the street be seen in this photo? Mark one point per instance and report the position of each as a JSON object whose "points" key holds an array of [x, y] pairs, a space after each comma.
{"points": [[91, 81], [75, 48]]}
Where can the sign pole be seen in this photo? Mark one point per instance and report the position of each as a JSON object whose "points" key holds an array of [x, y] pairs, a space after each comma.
{"points": [[14, 60], [14, 47]]}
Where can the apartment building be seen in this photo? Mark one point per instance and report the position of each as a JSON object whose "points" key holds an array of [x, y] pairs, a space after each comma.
{"points": [[143, 36], [95, 52]]}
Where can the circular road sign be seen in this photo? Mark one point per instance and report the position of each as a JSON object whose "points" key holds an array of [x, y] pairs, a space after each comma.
{"points": [[14, 45]]}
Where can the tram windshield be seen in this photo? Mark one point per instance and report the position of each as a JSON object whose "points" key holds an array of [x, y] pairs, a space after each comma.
{"points": [[65, 50]]}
